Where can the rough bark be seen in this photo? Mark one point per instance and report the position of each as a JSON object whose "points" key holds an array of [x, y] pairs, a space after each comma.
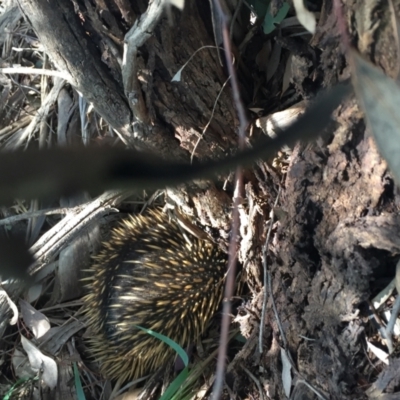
{"points": [[78, 43], [337, 239], [61, 33]]}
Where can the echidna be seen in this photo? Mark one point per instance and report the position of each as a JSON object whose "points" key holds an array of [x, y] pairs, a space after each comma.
{"points": [[149, 275]]}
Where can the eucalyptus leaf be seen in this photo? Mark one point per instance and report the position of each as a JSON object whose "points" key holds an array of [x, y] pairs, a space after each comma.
{"points": [[78, 384], [379, 97], [270, 22]]}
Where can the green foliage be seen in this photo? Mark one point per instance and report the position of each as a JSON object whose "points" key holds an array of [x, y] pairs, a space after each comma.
{"points": [[262, 8], [175, 385], [20, 381], [78, 384], [177, 382], [270, 21]]}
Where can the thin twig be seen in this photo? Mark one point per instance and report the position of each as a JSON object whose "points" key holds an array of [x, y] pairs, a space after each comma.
{"points": [[39, 213], [341, 22], [229, 285], [209, 121], [236, 13], [36, 71], [139, 33], [312, 388], [256, 381], [229, 289], [265, 266]]}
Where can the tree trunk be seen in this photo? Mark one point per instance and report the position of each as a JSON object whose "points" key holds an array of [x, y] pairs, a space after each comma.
{"points": [[336, 240]]}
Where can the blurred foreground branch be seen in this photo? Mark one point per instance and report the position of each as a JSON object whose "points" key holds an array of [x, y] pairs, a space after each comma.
{"points": [[56, 172]]}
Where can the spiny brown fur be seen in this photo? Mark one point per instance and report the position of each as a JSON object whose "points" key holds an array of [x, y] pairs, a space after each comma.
{"points": [[148, 275]]}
